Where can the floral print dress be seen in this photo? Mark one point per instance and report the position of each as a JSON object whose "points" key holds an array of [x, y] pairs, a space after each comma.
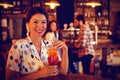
{"points": [[24, 58]]}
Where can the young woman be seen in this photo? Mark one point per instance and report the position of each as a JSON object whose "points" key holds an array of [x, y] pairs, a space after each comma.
{"points": [[53, 31], [28, 58]]}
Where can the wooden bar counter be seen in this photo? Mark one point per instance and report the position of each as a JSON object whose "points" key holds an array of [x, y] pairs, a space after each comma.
{"points": [[74, 77]]}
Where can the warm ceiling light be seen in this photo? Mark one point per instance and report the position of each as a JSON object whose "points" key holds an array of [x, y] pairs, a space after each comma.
{"points": [[52, 4], [93, 3], [6, 5]]}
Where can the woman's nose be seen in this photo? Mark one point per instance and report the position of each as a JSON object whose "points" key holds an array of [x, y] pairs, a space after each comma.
{"points": [[39, 25]]}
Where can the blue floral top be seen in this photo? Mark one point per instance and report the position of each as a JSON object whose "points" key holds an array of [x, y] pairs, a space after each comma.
{"points": [[24, 58]]}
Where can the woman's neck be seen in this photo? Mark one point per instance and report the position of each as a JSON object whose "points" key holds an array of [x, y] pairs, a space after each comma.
{"points": [[36, 40]]}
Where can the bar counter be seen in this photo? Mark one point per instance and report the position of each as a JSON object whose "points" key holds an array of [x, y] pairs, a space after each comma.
{"points": [[74, 77]]}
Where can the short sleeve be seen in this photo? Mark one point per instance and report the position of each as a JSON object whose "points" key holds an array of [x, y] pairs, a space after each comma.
{"points": [[13, 60]]}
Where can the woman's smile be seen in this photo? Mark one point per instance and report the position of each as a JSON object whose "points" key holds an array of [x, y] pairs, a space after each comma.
{"points": [[40, 31]]}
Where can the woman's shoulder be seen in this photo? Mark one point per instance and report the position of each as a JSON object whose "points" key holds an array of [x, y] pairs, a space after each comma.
{"points": [[20, 41], [48, 33], [20, 44], [49, 36]]}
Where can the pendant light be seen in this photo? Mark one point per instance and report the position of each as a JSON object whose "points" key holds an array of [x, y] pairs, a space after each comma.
{"points": [[6, 4], [93, 3], [52, 4]]}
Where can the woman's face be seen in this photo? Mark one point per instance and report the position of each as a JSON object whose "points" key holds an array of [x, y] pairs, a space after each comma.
{"points": [[37, 25], [53, 26]]}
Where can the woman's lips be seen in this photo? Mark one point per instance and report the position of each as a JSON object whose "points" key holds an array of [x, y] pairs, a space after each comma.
{"points": [[39, 31]]}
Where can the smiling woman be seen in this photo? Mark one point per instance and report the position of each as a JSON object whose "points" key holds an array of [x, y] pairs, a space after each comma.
{"points": [[28, 58]]}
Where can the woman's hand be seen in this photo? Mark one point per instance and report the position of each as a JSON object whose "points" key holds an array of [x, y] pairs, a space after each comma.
{"points": [[49, 71], [60, 45], [64, 50]]}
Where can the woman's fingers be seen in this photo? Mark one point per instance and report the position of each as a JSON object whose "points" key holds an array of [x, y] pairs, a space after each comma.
{"points": [[52, 70], [59, 44]]}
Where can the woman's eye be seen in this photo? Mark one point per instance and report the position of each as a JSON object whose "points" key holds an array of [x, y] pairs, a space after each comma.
{"points": [[36, 22], [44, 22]]}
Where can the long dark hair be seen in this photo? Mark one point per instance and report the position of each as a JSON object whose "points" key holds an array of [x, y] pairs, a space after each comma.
{"points": [[49, 25]]}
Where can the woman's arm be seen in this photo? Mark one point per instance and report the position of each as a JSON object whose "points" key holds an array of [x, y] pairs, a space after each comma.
{"points": [[43, 73], [64, 62]]}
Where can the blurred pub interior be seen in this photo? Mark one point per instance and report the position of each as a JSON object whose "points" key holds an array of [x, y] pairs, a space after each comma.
{"points": [[105, 17]]}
